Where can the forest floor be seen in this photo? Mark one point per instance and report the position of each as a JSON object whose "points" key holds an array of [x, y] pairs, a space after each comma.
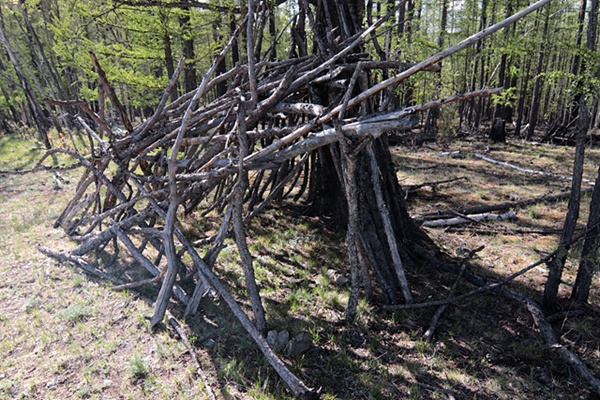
{"points": [[67, 335]]}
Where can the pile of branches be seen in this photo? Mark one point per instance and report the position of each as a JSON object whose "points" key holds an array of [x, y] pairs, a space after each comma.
{"points": [[195, 153]]}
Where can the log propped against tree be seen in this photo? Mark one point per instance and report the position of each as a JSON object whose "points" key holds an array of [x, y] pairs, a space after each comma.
{"points": [[311, 127]]}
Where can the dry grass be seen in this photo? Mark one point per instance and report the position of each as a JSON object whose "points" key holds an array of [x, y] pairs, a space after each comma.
{"points": [[64, 335]]}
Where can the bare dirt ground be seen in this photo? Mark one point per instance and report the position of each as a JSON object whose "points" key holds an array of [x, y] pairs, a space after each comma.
{"points": [[66, 335]]}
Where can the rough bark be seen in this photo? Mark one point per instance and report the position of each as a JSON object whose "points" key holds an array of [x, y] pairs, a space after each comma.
{"points": [[556, 265], [238, 227], [537, 85], [190, 81], [589, 254]]}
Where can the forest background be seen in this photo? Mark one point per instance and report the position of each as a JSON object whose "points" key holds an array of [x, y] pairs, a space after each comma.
{"points": [[546, 63]]}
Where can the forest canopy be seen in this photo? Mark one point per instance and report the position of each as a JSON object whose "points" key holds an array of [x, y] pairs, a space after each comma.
{"points": [[139, 42]]}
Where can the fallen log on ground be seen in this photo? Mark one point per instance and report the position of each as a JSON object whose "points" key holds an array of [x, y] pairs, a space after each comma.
{"points": [[548, 198], [438, 223], [527, 170]]}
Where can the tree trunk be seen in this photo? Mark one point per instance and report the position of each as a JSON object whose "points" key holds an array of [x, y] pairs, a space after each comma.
{"points": [[7, 96], [474, 109], [188, 52], [522, 96], [504, 111], [379, 227], [221, 66], [576, 65], [555, 266], [34, 105], [168, 50], [537, 86], [589, 253]]}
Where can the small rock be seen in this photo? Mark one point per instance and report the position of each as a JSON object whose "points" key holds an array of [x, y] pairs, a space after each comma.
{"points": [[462, 251], [336, 278], [209, 344], [299, 344], [278, 340], [331, 274]]}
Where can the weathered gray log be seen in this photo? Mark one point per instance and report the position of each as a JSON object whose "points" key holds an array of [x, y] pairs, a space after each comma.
{"points": [[470, 218], [314, 110], [389, 230], [527, 170], [497, 207], [373, 125]]}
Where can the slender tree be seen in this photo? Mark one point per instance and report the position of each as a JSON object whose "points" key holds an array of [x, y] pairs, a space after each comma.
{"points": [[38, 112], [589, 253], [537, 86], [556, 265]]}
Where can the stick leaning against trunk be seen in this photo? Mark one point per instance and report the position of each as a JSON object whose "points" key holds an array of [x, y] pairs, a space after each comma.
{"points": [[191, 152]]}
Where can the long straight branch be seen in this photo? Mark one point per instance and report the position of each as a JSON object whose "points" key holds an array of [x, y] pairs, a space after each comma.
{"points": [[395, 79], [238, 225], [174, 195], [387, 224]]}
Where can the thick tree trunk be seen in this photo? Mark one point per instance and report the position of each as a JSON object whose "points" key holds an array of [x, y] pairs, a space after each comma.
{"points": [[384, 235]]}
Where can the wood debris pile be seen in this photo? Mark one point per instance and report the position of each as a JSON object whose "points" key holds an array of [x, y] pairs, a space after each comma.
{"points": [[196, 153]]}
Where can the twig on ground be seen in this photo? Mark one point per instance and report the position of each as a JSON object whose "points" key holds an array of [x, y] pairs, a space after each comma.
{"points": [[434, 321], [177, 326]]}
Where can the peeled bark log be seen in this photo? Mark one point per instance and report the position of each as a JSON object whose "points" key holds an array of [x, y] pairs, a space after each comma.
{"points": [[470, 218]]}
